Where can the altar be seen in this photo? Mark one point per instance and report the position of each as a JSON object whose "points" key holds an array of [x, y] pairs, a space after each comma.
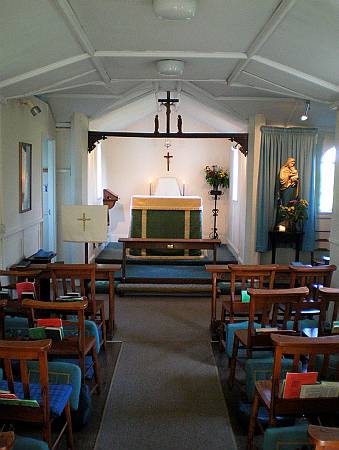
{"points": [[166, 217]]}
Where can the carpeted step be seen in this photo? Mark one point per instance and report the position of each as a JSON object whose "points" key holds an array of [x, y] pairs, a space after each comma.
{"points": [[161, 289]]}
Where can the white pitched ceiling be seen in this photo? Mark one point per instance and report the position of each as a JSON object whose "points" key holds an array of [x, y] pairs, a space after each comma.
{"points": [[241, 56]]}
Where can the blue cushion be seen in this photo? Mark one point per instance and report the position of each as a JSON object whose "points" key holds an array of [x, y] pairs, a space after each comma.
{"points": [[58, 394], [1, 374], [287, 438], [261, 369], [26, 443], [59, 373]]}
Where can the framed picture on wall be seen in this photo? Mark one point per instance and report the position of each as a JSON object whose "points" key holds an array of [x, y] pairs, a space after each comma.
{"points": [[25, 177]]}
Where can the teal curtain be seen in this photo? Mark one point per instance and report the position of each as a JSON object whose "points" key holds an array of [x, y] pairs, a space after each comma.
{"points": [[277, 144]]}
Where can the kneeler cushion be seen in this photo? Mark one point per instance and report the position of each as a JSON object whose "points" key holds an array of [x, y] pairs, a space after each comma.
{"points": [[287, 438]]}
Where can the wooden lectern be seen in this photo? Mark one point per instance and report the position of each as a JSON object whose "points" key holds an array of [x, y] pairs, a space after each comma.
{"points": [[109, 199]]}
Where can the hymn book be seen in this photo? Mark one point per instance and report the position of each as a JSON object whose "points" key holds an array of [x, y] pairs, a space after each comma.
{"points": [[319, 390], [293, 382]]}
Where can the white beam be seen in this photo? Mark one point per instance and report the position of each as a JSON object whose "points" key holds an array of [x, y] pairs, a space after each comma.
{"points": [[292, 91], [80, 34], [205, 96], [108, 96], [254, 99], [65, 80], [270, 26], [42, 70], [132, 96], [296, 73], [177, 54], [73, 86]]}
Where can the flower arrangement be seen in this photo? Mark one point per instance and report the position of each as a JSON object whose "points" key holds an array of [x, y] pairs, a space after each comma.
{"points": [[217, 176], [295, 211]]}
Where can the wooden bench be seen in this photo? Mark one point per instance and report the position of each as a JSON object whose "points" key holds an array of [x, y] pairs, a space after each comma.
{"points": [[177, 244]]}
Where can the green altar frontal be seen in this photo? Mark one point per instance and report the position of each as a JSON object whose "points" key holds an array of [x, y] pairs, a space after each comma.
{"points": [[166, 217]]}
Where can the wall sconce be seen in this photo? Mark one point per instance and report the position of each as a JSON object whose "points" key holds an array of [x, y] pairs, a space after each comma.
{"points": [[304, 116]]}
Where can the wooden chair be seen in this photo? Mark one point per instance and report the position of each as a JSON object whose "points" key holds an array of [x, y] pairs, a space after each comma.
{"points": [[331, 297], [324, 438], [74, 277], [243, 277], [313, 277], [53, 399], [75, 344], [267, 392], [6, 440], [266, 304]]}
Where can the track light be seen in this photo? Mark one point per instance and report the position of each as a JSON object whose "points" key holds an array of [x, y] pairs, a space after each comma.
{"points": [[304, 116], [34, 109]]}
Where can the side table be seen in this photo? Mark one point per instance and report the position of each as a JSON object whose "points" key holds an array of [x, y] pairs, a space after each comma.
{"points": [[286, 237]]}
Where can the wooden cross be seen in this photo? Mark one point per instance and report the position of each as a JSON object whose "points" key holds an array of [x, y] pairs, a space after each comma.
{"points": [[168, 156], [168, 102], [84, 220]]}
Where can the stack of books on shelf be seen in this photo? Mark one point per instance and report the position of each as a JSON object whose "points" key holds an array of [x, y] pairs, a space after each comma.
{"points": [[8, 398], [306, 385], [47, 329], [70, 297]]}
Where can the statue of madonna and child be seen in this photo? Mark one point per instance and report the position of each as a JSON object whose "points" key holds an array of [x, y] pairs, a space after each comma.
{"points": [[292, 211]]}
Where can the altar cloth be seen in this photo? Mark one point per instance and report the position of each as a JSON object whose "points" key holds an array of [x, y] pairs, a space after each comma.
{"points": [[166, 217]]}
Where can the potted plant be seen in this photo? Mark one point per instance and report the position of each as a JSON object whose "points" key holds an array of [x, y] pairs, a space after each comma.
{"points": [[294, 214]]}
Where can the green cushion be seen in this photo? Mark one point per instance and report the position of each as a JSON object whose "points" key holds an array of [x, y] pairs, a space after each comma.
{"points": [[230, 329], [333, 366], [287, 438], [261, 369], [102, 287], [26, 443]]}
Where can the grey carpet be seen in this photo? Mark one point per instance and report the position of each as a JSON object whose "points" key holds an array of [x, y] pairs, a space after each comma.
{"points": [[165, 393]]}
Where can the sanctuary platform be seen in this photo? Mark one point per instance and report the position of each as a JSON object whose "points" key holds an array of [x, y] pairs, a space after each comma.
{"points": [[163, 276]]}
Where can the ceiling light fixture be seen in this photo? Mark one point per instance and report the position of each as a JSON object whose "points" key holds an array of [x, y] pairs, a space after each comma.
{"points": [[174, 9], [304, 116], [170, 67]]}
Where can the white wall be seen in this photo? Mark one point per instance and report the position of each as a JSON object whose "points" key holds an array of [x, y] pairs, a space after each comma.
{"points": [[21, 232], [128, 164]]}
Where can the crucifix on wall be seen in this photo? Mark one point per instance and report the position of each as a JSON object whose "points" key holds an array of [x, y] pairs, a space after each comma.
{"points": [[168, 156]]}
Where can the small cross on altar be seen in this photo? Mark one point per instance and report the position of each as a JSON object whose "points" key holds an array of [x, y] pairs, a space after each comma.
{"points": [[84, 220], [168, 156]]}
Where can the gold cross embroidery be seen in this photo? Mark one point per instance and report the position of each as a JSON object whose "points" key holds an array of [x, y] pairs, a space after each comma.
{"points": [[84, 220]]}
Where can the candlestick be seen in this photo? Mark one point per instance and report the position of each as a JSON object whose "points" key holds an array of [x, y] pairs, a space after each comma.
{"points": [[150, 186], [183, 187]]}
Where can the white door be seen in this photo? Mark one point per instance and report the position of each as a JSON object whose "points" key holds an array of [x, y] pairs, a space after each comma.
{"points": [[49, 203]]}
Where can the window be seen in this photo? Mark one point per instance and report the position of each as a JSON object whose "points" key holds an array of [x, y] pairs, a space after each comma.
{"points": [[99, 170], [327, 167], [235, 171]]}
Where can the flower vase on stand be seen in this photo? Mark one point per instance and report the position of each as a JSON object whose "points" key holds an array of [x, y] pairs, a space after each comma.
{"points": [[216, 193]]}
